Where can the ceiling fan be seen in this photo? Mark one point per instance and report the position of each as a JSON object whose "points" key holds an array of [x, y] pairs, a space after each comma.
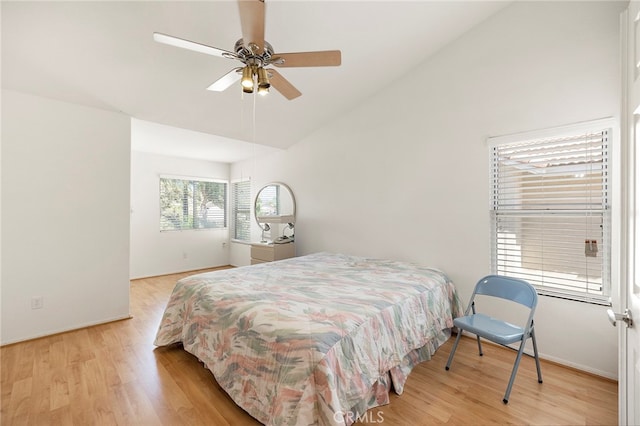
{"points": [[256, 54]]}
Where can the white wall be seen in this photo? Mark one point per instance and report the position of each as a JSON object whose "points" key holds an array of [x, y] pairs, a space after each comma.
{"points": [[157, 253], [65, 216], [405, 175]]}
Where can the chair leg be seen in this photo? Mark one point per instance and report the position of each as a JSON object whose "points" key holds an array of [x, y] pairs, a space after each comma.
{"points": [[535, 353], [515, 370], [479, 346], [453, 350]]}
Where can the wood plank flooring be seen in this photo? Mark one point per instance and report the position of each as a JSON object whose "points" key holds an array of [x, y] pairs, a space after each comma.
{"points": [[113, 375]]}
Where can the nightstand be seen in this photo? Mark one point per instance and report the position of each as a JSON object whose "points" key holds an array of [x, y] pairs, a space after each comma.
{"points": [[261, 252]]}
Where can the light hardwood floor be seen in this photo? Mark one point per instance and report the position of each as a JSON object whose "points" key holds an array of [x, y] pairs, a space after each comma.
{"points": [[113, 375]]}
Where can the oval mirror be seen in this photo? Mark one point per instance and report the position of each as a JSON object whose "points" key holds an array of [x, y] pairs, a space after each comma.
{"points": [[275, 203]]}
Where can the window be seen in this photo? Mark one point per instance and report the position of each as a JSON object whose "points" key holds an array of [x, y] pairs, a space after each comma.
{"points": [[550, 213], [192, 204], [241, 210]]}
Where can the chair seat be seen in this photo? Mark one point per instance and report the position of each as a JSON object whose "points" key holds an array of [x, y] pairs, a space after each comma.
{"points": [[490, 328]]}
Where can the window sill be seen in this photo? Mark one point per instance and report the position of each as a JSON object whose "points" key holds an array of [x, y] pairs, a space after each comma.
{"points": [[248, 243]]}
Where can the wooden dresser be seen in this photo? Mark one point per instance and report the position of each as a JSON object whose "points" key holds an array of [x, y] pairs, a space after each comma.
{"points": [[261, 252]]}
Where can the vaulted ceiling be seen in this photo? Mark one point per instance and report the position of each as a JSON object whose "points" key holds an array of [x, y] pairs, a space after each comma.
{"points": [[102, 54]]}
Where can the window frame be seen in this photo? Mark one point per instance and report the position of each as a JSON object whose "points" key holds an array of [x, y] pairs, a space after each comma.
{"points": [[607, 245]]}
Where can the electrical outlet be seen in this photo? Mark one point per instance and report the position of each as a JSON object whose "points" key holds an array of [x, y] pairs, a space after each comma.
{"points": [[184, 255], [224, 244], [37, 302]]}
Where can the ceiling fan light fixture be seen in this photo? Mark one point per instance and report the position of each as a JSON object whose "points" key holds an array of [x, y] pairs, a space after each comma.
{"points": [[247, 79], [263, 81]]}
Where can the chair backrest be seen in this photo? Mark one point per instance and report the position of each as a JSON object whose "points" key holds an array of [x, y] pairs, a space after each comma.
{"points": [[507, 288]]}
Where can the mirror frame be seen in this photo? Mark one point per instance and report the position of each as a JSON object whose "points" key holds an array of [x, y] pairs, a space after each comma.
{"points": [[264, 225]]}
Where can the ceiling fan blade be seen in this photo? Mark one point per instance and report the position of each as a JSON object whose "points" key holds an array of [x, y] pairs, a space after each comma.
{"points": [[192, 45], [282, 85], [224, 82], [252, 23], [323, 58]]}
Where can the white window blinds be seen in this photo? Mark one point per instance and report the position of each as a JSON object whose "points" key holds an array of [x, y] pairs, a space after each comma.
{"points": [[242, 210], [192, 204], [550, 214]]}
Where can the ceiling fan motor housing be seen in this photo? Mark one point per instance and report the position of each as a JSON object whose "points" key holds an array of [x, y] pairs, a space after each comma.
{"points": [[248, 57]]}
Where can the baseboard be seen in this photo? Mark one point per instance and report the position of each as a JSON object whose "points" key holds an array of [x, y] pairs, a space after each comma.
{"points": [[208, 268], [555, 360], [65, 330]]}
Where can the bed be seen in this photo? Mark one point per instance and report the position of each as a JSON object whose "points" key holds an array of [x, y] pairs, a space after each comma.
{"points": [[312, 340]]}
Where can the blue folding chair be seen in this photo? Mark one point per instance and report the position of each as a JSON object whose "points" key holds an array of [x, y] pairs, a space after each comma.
{"points": [[496, 330]]}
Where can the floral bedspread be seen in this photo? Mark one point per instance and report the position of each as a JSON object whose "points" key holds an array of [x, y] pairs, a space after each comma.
{"points": [[312, 340]]}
